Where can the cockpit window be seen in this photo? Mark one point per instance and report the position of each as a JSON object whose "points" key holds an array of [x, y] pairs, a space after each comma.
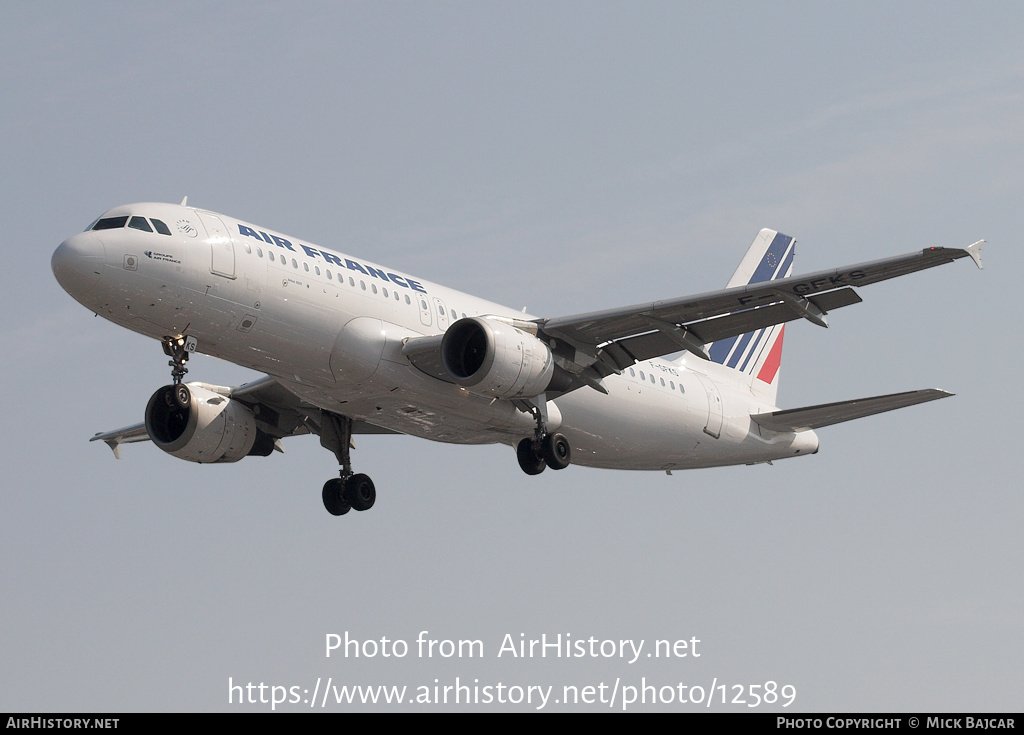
{"points": [[110, 223], [140, 223], [135, 222]]}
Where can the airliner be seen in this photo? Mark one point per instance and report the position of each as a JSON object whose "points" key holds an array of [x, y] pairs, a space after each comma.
{"points": [[347, 347]]}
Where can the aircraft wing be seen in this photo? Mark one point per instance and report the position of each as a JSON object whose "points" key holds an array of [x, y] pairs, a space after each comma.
{"points": [[826, 414], [127, 435], [603, 342], [279, 413]]}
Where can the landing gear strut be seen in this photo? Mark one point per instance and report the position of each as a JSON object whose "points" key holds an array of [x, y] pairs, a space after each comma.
{"points": [[543, 449], [178, 396], [350, 490], [178, 349]]}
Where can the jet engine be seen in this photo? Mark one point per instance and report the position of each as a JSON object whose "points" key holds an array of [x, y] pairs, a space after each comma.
{"points": [[198, 425], [491, 358]]}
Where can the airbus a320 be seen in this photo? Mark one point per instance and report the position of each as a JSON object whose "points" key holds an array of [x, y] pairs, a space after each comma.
{"points": [[348, 346]]}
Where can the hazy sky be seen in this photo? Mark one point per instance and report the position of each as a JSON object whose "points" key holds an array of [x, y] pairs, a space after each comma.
{"points": [[564, 157]]}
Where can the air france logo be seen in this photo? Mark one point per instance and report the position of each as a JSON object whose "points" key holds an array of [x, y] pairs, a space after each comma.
{"points": [[332, 259], [161, 256]]}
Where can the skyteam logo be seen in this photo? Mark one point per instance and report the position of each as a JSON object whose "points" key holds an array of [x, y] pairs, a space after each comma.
{"points": [[332, 259]]}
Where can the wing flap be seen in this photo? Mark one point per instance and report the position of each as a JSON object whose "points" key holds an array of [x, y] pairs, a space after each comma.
{"points": [[655, 344], [826, 414]]}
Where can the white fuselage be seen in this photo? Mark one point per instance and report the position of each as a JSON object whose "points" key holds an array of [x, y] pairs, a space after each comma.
{"points": [[330, 328]]}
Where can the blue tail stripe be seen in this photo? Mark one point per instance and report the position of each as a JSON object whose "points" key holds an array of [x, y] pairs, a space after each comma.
{"points": [[754, 352], [787, 264], [744, 340], [768, 267], [720, 349], [765, 339]]}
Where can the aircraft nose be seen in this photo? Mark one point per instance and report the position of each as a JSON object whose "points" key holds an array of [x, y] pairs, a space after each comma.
{"points": [[78, 262]]}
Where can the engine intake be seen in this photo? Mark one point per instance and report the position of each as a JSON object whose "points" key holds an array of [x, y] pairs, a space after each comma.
{"points": [[199, 425], [491, 358]]}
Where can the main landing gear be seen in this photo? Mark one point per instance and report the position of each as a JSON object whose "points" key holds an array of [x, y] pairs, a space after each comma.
{"points": [[341, 494], [552, 451], [543, 449]]}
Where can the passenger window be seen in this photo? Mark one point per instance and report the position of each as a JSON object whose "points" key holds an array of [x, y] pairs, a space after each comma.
{"points": [[662, 382], [407, 299], [110, 223], [642, 376], [317, 269], [631, 373], [160, 226], [373, 286], [295, 264], [351, 282], [247, 248], [259, 252], [362, 285], [270, 254], [652, 379], [454, 317], [385, 292]]}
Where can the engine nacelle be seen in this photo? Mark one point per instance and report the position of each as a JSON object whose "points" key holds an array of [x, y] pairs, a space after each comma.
{"points": [[199, 425], [491, 358]]}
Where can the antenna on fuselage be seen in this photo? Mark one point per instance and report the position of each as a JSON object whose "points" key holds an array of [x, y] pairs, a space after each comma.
{"points": [[184, 202]]}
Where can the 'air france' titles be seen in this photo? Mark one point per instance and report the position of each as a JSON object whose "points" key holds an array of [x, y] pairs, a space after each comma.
{"points": [[333, 259]]}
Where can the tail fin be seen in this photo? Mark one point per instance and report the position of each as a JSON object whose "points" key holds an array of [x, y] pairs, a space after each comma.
{"points": [[759, 353]]}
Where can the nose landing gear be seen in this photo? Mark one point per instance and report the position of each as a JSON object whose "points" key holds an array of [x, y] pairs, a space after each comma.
{"points": [[178, 348]]}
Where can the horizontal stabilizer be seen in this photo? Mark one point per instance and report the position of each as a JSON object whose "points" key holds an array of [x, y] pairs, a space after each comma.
{"points": [[826, 414]]}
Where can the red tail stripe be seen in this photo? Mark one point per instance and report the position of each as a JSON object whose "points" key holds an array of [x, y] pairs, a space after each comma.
{"points": [[771, 363]]}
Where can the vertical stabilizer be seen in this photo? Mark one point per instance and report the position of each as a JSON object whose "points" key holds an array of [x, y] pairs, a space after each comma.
{"points": [[758, 354]]}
